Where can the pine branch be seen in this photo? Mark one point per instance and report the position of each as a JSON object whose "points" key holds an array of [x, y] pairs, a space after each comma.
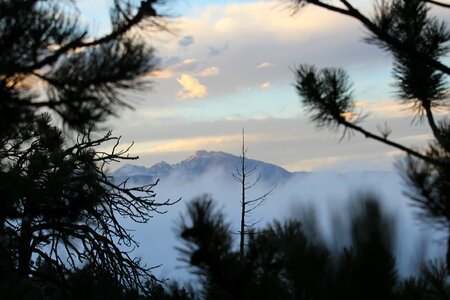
{"points": [[389, 40], [438, 3]]}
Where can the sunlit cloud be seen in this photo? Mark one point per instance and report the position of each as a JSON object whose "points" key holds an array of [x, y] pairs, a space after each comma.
{"points": [[187, 65], [226, 25], [244, 43], [183, 145], [192, 88], [244, 29], [174, 66], [349, 116], [360, 103], [266, 17], [329, 162], [392, 108], [388, 109], [192, 144], [314, 164], [164, 73], [209, 72], [264, 65], [265, 85]]}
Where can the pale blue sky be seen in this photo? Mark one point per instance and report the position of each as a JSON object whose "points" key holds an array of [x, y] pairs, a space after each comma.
{"points": [[228, 65]]}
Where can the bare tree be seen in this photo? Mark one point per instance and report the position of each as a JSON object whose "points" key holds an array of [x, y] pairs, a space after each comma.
{"points": [[246, 178]]}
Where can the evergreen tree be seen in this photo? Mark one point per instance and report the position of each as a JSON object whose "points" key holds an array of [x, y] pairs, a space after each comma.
{"points": [[51, 61], [417, 42], [282, 261], [58, 203]]}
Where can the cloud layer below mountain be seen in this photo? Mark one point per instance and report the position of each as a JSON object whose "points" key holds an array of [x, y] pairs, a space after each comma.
{"points": [[324, 193]]}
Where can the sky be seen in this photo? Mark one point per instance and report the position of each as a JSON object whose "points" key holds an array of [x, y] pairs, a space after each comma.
{"points": [[228, 65]]}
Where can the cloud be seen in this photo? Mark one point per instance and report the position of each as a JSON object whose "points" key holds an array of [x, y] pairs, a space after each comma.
{"points": [[215, 51], [264, 65], [245, 38], [192, 88], [360, 103], [388, 109], [164, 73], [226, 25], [209, 72], [174, 66], [266, 35], [185, 144], [349, 116], [187, 65], [171, 61], [186, 41], [265, 85]]}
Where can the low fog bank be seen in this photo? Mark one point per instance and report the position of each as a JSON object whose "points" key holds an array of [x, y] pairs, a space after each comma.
{"points": [[322, 196]]}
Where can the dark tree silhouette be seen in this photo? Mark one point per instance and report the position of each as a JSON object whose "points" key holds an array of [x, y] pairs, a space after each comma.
{"points": [[418, 42], [87, 282], [49, 60], [282, 261], [58, 203], [245, 176]]}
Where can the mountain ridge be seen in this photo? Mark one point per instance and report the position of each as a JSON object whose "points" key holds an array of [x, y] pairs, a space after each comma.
{"points": [[200, 163]]}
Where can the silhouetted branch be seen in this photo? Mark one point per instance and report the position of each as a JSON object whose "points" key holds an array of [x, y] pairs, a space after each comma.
{"points": [[438, 3], [385, 37], [67, 210]]}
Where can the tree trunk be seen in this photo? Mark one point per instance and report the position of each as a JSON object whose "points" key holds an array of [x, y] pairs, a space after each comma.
{"points": [[242, 241], [24, 251]]}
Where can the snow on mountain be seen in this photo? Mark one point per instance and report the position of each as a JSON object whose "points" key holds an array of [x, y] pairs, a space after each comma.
{"points": [[201, 163], [130, 170]]}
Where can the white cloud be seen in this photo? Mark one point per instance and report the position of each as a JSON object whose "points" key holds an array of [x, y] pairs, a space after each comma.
{"points": [[184, 144], [360, 103], [256, 35], [164, 73], [175, 66], [209, 72], [265, 85], [264, 65], [226, 25], [192, 88]]}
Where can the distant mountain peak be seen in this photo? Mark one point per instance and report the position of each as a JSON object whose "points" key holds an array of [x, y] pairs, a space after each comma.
{"points": [[162, 164], [204, 162], [199, 153]]}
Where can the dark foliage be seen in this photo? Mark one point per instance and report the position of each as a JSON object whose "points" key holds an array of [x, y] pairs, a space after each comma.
{"points": [[51, 61], [59, 209], [417, 42], [86, 283], [60, 206], [284, 262]]}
